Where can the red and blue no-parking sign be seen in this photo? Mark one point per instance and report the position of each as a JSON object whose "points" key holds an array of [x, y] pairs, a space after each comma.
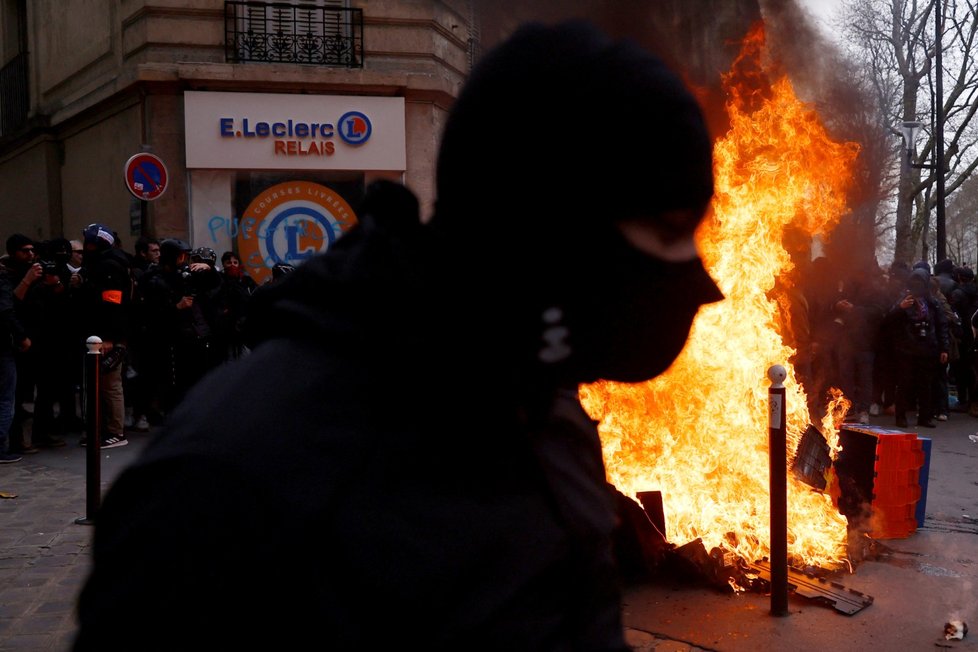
{"points": [[145, 176]]}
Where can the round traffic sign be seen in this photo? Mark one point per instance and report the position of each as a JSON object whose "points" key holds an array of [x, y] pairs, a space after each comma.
{"points": [[146, 176]]}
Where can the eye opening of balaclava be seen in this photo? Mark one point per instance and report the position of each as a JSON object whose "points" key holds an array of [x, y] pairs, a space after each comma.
{"points": [[560, 132]]}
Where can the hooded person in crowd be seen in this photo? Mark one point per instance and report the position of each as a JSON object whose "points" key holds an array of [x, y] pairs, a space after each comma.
{"points": [[106, 301], [921, 342], [403, 453]]}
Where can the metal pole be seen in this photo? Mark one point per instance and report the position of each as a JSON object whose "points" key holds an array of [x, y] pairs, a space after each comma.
{"points": [[778, 452], [93, 434], [939, 129]]}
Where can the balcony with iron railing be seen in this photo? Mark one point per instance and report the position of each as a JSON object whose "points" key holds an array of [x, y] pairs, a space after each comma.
{"points": [[293, 33], [14, 95]]}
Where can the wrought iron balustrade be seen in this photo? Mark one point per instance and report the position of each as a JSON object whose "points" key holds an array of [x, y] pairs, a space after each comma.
{"points": [[293, 33], [14, 97]]}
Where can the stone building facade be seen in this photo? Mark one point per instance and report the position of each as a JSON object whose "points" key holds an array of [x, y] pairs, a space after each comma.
{"points": [[235, 100]]}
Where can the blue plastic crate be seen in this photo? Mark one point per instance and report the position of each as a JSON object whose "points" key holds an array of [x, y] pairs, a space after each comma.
{"points": [[921, 511]]}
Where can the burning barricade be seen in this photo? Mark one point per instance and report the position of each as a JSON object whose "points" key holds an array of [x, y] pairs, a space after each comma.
{"points": [[698, 433]]}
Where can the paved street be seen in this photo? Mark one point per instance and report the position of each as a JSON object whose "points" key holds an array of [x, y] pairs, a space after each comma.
{"points": [[921, 582], [927, 579], [43, 551]]}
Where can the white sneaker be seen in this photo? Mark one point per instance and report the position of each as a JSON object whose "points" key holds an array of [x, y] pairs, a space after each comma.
{"points": [[874, 409], [142, 425], [114, 441], [864, 418]]}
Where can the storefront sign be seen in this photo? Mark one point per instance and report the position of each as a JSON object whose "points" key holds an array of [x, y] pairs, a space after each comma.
{"points": [[308, 132]]}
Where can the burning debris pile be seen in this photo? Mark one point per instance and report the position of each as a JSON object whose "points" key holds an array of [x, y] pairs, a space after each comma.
{"points": [[698, 433]]}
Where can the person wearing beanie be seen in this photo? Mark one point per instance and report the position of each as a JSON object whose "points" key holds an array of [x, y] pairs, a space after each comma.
{"points": [[16, 241], [24, 274], [21, 264], [415, 449], [922, 264], [944, 273], [920, 338]]}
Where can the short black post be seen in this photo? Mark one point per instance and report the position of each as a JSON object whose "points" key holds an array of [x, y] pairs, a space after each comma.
{"points": [[778, 453], [93, 431]]}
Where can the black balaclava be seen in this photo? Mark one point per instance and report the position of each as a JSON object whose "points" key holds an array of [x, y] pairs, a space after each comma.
{"points": [[559, 133], [919, 283]]}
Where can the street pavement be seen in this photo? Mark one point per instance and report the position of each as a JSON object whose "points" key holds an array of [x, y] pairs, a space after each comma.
{"points": [[917, 583], [922, 582]]}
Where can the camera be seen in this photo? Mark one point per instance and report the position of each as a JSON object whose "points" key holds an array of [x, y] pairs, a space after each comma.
{"points": [[53, 257], [188, 281], [57, 268], [195, 283]]}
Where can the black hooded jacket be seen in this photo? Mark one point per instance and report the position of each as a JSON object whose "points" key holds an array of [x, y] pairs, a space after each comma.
{"points": [[107, 294], [382, 477], [922, 329], [398, 458], [12, 331]]}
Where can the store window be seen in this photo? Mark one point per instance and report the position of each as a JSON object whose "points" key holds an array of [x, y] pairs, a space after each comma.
{"points": [[290, 216]]}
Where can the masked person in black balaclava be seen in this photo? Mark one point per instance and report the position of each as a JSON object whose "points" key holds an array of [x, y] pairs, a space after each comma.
{"points": [[403, 454]]}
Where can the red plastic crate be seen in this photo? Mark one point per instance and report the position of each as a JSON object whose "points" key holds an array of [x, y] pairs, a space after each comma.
{"points": [[881, 468]]}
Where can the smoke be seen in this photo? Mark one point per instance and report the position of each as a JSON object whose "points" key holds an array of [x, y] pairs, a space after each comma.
{"points": [[824, 78], [702, 50]]}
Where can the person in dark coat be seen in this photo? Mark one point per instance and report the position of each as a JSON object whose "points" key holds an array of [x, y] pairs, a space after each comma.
{"points": [[107, 297], [964, 301], [13, 339], [175, 305], [57, 343], [884, 362], [25, 272], [860, 308], [235, 293], [920, 347], [399, 458]]}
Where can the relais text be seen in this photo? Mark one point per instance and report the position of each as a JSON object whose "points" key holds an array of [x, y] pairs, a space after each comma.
{"points": [[293, 138]]}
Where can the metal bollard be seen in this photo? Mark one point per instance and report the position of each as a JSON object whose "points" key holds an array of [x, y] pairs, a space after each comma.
{"points": [[93, 431], [778, 453]]}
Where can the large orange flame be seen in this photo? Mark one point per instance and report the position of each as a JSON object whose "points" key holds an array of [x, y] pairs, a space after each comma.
{"points": [[699, 432]]}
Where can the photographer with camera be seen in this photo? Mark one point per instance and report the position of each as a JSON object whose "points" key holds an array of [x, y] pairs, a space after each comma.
{"points": [[172, 301], [59, 344], [921, 342]]}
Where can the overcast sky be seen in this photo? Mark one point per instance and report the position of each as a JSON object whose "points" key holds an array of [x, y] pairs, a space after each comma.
{"points": [[822, 9]]}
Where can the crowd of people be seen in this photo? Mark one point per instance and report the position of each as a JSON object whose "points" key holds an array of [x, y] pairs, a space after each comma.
{"points": [[166, 314], [895, 341]]}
